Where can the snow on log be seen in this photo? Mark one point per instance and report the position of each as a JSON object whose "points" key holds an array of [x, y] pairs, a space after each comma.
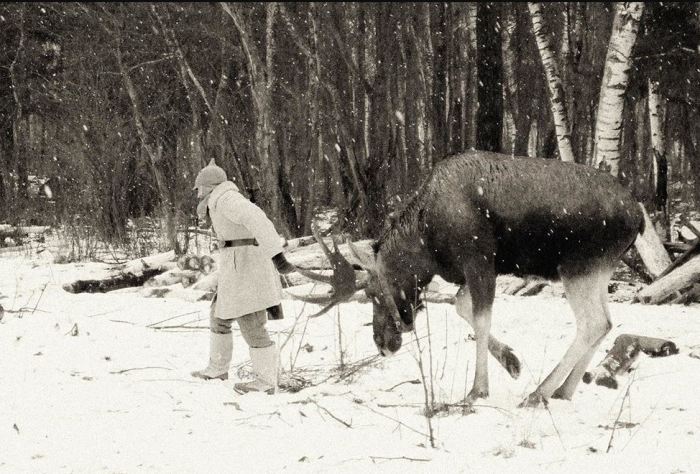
{"points": [[622, 355], [207, 282], [161, 260], [672, 286]]}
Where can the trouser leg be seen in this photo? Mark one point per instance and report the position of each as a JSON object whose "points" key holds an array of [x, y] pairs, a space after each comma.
{"points": [[253, 329]]}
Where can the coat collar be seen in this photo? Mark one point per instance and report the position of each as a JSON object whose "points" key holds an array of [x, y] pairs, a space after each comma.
{"points": [[220, 190]]}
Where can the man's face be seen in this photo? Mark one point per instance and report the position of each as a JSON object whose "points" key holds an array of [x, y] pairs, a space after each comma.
{"points": [[203, 191]]}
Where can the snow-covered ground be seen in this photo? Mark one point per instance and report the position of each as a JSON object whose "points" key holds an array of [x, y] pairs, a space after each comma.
{"points": [[99, 382]]}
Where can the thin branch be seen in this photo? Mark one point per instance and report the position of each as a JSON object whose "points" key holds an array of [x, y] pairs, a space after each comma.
{"points": [[400, 458], [347, 57], [171, 318], [295, 34], [345, 423], [185, 68], [414, 382], [393, 419], [138, 368], [619, 414]]}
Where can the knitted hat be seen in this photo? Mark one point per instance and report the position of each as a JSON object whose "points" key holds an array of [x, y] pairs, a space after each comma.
{"points": [[210, 175]]}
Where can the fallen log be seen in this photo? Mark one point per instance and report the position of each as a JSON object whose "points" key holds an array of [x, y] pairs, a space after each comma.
{"points": [[693, 249], [677, 247], [132, 273], [116, 282], [622, 355], [672, 285], [650, 248]]}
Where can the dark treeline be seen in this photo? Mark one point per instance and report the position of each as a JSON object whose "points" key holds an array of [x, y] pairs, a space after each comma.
{"points": [[319, 104]]}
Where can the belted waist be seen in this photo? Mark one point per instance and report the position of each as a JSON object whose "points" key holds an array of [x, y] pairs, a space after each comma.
{"points": [[240, 242]]}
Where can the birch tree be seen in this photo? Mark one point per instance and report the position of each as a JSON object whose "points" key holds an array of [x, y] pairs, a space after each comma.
{"points": [[608, 126], [557, 98], [659, 164], [510, 108]]}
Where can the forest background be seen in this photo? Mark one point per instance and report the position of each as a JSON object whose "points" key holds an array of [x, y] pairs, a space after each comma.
{"points": [[111, 109]]}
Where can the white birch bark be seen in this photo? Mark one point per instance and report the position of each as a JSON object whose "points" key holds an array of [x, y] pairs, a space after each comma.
{"points": [[557, 98], [615, 77], [473, 74], [509, 83], [655, 120]]}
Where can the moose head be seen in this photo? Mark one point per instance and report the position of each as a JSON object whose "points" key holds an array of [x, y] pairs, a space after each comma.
{"points": [[393, 313]]}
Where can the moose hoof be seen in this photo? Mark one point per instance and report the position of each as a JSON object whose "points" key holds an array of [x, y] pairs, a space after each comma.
{"points": [[562, 394], [534, 400], [476, 394], [511, 363]]}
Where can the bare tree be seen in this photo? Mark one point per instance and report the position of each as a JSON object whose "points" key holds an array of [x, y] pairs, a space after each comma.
{"points": [[18, 86], [261, 76]]}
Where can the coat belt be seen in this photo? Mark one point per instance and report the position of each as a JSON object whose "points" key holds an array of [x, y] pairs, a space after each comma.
{"points": [[240, 242]]}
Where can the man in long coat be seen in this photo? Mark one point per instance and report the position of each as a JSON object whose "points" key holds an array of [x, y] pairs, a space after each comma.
{"points": [[249, 283]]}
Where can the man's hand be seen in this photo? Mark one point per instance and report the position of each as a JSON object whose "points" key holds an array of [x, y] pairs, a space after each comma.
{"points": [[282, 264]]}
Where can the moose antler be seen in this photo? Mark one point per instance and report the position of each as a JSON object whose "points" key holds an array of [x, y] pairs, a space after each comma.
{"points": [[342, 279]]}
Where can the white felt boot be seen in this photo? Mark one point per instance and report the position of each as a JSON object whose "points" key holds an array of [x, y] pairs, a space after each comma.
{"points": [[265, 361], [220, 350]]}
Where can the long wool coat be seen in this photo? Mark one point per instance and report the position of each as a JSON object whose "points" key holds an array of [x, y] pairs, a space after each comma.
{"points": [[248, 280]]}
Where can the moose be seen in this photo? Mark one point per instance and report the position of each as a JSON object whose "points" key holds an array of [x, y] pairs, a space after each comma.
{"points": [[482, 214]]}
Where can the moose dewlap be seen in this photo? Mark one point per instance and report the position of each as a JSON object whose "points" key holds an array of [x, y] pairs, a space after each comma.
{"points": [[482, 214]]}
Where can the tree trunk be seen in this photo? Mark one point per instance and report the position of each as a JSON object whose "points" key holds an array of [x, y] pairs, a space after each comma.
{"points": [[615, 78], [425, 42], [510, 102], [154, 153], [557, 98], [19, 140], [659, 174], [473, 76], [489, 79]]}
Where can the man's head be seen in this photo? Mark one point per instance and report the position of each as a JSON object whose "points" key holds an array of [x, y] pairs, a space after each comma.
{"points": [[208, 178]]}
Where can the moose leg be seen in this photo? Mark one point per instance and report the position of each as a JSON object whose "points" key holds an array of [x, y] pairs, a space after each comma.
{"points": [[503, 353], [479, 295], [567, 389], [592, 324]]}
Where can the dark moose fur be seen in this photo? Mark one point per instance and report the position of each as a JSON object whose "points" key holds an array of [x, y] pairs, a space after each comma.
{"points": [[514, 215]]}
